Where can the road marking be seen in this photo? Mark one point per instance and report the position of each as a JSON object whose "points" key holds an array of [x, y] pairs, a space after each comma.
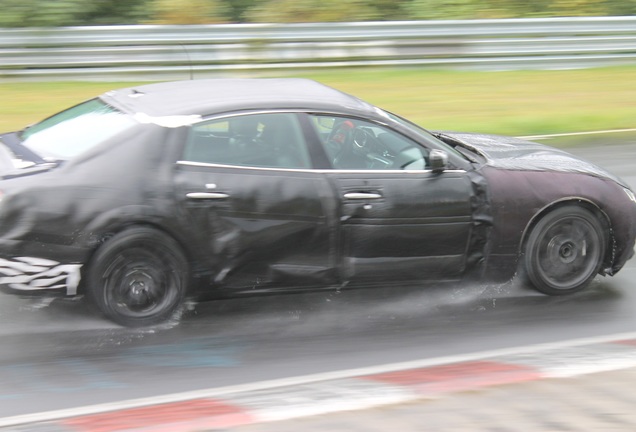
{"points": [[306, 379], [538, 137], [577, 360], [319, 398]]}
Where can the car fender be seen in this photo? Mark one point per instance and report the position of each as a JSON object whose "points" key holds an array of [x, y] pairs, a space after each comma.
{"points": [[520, 197], [585, 203]]}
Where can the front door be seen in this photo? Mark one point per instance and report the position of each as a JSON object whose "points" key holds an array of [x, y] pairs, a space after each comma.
{"points": [[399, 220], [404, 226]]}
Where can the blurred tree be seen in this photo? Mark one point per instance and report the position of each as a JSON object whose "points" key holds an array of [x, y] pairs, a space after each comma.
{"points": [[40, 13], [516, 9], [238, 8], [48, 13], [188, 11], [390, 10], [312, 11], [471, 9], [577, 7], [45, 13], [621, 7], [110, 12], [444, 9]]}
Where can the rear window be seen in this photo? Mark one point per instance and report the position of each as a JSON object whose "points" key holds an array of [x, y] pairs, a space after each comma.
{"points": [[76, 130]]}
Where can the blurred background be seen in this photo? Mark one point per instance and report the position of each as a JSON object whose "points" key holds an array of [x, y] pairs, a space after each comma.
{"points": [[523, 68], [551, 66], [46, 13]]}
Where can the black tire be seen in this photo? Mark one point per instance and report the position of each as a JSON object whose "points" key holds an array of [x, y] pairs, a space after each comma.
{"points": [[138, 277], [564, 251]]}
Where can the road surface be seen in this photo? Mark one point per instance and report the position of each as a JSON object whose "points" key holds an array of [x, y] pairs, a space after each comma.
{"points": [[58, 354]]}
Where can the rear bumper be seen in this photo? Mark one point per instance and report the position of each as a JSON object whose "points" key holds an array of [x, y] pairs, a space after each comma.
{"points": [[30, 275]]}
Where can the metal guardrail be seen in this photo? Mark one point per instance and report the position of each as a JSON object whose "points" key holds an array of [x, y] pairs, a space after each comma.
{"points": [[161, 52]]}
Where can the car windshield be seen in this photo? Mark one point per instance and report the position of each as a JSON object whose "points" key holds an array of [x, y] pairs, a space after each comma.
{"points": [[426, 135], [72, 132]]}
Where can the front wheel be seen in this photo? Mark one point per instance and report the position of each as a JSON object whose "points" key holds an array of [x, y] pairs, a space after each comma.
{"points": [[138, 277], [564, 251]]}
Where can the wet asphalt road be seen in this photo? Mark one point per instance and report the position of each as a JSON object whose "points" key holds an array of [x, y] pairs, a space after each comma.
{"points": [[63, 355]]}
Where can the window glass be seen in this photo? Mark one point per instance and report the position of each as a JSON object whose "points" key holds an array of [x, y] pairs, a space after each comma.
{"points": [[426, 135], [259, 140], [75, 130], [353, 144]]}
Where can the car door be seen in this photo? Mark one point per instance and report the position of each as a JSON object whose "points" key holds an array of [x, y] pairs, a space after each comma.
{"points": [[261, 217], [399, 220]]}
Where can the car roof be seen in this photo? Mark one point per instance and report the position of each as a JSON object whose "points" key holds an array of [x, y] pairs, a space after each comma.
{"points": [[212, 96]]}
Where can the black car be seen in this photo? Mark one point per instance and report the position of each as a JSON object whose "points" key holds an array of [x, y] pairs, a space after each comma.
{"points": [[222, 187]]}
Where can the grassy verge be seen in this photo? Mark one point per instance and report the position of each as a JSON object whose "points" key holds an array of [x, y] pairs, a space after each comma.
{"points": [[513, 103]]}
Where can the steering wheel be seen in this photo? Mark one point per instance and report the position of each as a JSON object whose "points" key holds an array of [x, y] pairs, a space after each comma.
{"points": [[356, 147], [367, 147]]}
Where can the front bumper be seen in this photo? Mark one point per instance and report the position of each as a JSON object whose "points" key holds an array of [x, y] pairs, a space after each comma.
{"points": [[28, 275]]}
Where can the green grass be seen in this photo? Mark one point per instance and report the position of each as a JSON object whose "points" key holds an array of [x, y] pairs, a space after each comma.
{"points": [[512, 103]]}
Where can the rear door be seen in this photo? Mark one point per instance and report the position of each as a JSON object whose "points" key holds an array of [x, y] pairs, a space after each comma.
{"points": [[261, 217]]}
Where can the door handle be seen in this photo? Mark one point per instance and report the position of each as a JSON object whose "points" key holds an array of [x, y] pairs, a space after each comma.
{"points": [[362, 195], [207, 195]]}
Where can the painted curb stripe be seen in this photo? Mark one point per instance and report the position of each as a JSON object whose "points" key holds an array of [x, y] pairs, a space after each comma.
{"points": [[320, 398], [581, 360], [382, 385], [458, 377], [190, 415], [221, 392]]}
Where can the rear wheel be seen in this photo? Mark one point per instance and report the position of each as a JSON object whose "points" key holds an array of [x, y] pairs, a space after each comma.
{"points": [[564, 251], [138, 277]]}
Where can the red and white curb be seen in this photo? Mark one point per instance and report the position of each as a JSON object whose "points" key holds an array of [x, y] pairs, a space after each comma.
{"points": [[339, 391]]}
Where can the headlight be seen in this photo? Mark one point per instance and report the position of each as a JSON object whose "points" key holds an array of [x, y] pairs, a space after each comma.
{"points": [[630, 194]]}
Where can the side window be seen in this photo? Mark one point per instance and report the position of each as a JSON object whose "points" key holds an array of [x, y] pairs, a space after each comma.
{"points": [[256, 140], [354, 144]]}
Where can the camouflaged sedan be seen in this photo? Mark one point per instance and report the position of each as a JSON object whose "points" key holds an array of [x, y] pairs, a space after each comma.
{"points": [[146, 195]]}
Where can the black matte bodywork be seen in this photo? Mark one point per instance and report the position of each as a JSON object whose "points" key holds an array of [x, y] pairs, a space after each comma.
{"points": [[291, 229], [526, 180]]}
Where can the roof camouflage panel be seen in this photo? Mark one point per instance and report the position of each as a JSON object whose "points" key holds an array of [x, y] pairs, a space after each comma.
{"points": [[211, 96]]}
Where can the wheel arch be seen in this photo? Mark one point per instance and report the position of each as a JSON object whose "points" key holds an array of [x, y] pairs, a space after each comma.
{"points": [[581, 202], [105, 235], [139, 276]]}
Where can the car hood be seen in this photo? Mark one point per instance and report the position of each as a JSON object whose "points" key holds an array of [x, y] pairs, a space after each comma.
{"points": [[517, 154]]}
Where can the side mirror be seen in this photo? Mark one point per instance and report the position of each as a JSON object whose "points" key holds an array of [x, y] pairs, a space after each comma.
{"points": [[438, 160]]}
